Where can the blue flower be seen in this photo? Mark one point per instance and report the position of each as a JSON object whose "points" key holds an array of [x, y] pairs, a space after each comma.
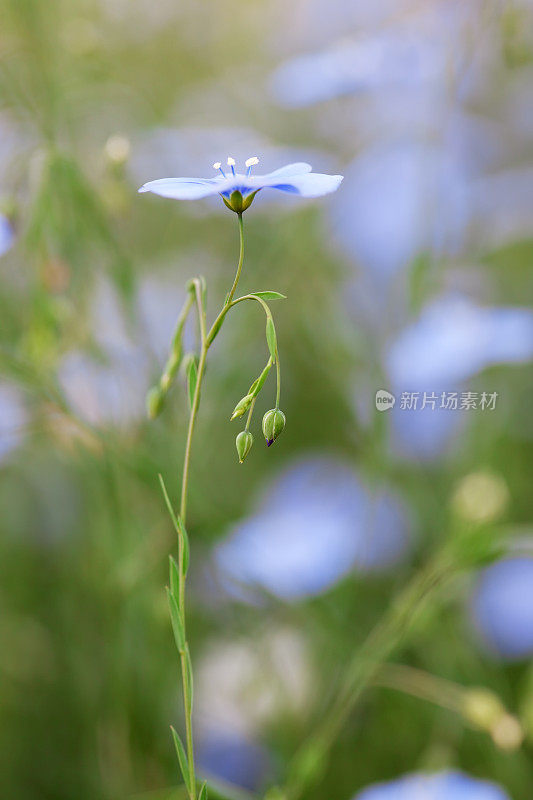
{"points": [[239, 189], [315, 524], [13, 419], [7, 237], [502, 608], [450, 785]]}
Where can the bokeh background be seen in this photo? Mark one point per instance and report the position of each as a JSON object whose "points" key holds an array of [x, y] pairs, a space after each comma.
{"points": [[414, 277]]}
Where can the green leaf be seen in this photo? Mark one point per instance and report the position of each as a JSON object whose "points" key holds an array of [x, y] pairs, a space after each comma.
{"points": [[177, 622], [188, 664], [179, 527], [270, 295], [271, 338], [192, 378], [182, 758], [184, 535], [203, 792], [174, 577]]}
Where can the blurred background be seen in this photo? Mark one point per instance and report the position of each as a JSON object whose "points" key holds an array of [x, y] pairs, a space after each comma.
{"points": [[414, 278]]}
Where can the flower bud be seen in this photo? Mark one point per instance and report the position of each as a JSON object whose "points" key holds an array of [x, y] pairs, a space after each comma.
{"points": [[243, 443], [242, 406], [273, 424], [482, 707], [154, 402]]}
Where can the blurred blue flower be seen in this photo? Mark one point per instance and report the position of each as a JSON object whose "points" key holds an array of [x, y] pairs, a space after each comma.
{"points": [[233, 759], [502, 608], [454, 339], [316, 523], [105, 393], [451, 342], [13, 419], [7, 236], [390, 60], [440, 786], [400, 198], [293, 179]]}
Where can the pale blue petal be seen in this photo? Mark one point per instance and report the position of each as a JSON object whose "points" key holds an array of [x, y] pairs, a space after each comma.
{"points": [[183, 188], [298, 168], [449, 785], [7, 236], [310, 185], [501, 608]]}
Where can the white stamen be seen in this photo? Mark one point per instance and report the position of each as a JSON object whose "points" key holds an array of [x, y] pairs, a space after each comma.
{"points": [[251, 162], [217, 165], [231, 161]]}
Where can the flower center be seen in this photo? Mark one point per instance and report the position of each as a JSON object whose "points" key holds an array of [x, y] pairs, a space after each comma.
{"points": [[249, 164]]}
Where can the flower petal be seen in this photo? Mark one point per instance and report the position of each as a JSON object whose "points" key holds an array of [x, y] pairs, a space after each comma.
{"points": [[298, 168], [183, 188], [312, 185]]}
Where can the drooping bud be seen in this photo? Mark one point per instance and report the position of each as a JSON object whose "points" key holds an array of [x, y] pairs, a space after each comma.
{"points": [[273, 424], [243, 443], [242, 406], [154, 402]]}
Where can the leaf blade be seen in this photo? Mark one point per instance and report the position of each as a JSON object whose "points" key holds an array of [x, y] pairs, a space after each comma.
{"points": [[270, 294], [182, 757], [177, 622], [271, 338]]}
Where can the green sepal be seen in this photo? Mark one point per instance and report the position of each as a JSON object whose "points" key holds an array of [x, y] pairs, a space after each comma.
{"points": [[243, 443], [177, 622], [182, 757], [249, 199], [242, 406]]}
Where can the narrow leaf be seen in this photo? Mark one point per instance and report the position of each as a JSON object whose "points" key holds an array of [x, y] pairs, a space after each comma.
{"points": [[179, 527], [182, 758], [270, 295], [177, 622], [203, 792], [182, 532], [192, 378], [174, 578], [271, 338]]}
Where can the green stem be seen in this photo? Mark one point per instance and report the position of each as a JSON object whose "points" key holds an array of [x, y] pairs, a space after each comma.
{"points": [[241, 261], [206, 341], [278, 378], [250, 412]]}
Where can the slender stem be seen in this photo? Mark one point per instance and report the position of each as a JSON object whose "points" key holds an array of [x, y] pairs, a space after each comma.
{"points": [[250, 412], [206, 341], [241, 261], [278, 378]]}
